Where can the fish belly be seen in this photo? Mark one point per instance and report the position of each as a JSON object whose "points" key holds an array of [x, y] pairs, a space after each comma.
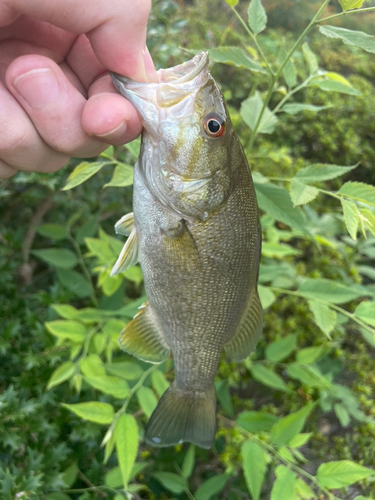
{"points": [[198, 276]]}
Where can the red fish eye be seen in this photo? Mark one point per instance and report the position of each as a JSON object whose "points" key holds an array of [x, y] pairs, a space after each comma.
{"points": [[214, 125]]}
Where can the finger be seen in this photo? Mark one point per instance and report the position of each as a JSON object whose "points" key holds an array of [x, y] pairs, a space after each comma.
{"points": [[109, 116], [115, 28], [53, 105], [6, 170], [21, 147]]}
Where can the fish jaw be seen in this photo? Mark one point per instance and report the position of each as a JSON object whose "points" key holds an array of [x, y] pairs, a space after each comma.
{"points": [[177, 85]]}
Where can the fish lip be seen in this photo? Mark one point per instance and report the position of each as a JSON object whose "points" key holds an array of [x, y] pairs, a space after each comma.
{"points": [[182, 73]]}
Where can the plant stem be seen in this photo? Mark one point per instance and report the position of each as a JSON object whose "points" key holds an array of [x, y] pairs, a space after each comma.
{"points": [[135, 388], [279, 71], [84, 268], [352, 316], [254, 38], [355, 11], [189, 494], [287, 97]]}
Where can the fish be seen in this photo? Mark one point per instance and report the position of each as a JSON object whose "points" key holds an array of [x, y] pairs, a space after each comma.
{"points": [[195, 231]]}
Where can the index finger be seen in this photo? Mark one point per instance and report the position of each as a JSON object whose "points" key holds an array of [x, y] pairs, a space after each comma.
{"points": [[116, 28]]}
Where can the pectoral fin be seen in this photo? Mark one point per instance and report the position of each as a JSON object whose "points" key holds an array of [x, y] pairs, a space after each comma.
{"points": [[125, 224], [247, 334], [129, 254], [143, 339]]}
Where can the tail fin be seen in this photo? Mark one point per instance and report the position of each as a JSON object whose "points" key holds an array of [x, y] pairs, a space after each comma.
{"points": [[183, 416]]}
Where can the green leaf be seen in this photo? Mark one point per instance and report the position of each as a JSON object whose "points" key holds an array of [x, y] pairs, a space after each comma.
{"points": [[101, 413], [311, 354], [308, 375], [81, 173], [256, 421], [331, 291], [125, 369], [257, 16], [281, 349], [276, 202], [304, 491], [234, 56], [349, 37], [57, 257], [278, 250], [69, 476], [232, 3], [267, 297], [159, 382], [300, 439], [342, 415], [324, 316], [289, 71], [134, 148], [286, 428], [114, 386], [301, 193], [284, 486], [172, 482], [223, 396], [351, 216], [62, 373], [188, 463], [58, 495], [210, 487], [254, 467], [322, 172], [310, 59], [108, 153], [52, 231], [147, 400], [366, 312], [250, 111], [294, 108], [335, 86], [100, 249], [67, 329], [66, 311], [342, 473], [359, 191], [126, 434], [92, 366], [74, 282], [350, 4], [268, 377], [122, 176]]}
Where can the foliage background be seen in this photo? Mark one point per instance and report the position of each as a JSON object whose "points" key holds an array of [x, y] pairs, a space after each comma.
{"points": [[61, 313]]}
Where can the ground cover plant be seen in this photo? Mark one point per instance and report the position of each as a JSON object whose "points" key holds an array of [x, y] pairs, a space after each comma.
{"points": [[296, 419]]}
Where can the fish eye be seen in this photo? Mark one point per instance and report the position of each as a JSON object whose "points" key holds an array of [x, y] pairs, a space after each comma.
{"points": [[214, 125]]}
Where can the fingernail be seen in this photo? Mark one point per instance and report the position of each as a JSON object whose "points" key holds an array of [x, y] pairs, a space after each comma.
{"points": [[119, 130], [149, 66], [38, 87]]}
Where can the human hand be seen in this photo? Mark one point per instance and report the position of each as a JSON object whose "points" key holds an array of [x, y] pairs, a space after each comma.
{"points": [[56, 97]]}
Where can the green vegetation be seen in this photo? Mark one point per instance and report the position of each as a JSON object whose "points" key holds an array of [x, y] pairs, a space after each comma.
{"points": [[296, 419]]}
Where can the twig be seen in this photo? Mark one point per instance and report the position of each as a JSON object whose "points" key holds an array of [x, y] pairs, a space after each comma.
{"points": [[89, 483]]}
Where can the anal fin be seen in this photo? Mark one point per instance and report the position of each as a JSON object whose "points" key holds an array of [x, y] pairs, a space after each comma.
{"points": [[142, 338], [247, 334]]}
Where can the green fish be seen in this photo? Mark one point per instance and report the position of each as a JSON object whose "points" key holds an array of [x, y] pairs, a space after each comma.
{"points": [[195, 231]]}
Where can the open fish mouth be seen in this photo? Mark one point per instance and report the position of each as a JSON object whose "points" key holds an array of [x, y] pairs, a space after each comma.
{"points": [[174, 84], [182, 73]]}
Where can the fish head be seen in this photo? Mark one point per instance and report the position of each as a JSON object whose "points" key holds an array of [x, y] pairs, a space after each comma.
{"points": [[187, 133]]}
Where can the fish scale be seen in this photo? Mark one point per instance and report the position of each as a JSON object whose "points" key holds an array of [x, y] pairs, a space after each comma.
{"points": [[197, 236]]}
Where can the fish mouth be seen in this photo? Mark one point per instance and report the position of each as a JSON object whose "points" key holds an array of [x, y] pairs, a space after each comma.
{"points": [[180, 74]]}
